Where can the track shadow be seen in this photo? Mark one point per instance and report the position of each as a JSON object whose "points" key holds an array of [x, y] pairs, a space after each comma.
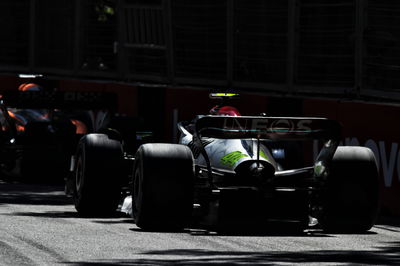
{"points": [[116, 221], [110, 219], [199, 231], [32, 194], [53, 214], [266, 229], [386, 255]]}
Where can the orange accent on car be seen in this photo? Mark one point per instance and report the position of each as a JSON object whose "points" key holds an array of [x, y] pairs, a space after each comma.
{"points": [[12, 115], [81, 128], [20, 128], [29, 87]]}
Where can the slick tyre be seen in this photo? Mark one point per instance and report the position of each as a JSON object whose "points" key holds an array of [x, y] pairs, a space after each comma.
{"points": [[351, 198], [97, 175], [163, 186]]}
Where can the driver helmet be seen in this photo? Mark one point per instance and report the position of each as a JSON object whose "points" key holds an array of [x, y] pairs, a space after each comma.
{"points": [[224, 110], [29, 87]]}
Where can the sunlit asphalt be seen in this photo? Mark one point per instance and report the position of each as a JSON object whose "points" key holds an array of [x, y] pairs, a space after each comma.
{"points": [[39, 226]]}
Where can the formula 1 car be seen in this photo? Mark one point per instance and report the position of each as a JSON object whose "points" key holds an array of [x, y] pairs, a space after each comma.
{"points": [[228, 170], [40, 131]]}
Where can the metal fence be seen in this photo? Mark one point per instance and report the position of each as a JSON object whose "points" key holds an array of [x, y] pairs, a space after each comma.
{"points": [[343, 47]]}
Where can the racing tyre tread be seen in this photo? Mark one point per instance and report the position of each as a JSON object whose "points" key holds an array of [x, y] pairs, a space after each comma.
{"points": [[163, 186], [98, 175]]}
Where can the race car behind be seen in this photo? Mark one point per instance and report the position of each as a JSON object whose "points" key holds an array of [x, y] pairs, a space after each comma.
{"points": [[40, 129]]}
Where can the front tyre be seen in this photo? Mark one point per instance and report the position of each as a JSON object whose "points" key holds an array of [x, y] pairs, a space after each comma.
{"points": [[351, 200], [163, 186], [97, 175]]}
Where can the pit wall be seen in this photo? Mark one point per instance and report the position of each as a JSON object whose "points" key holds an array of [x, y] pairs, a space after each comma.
{"points": [[367, 124]]}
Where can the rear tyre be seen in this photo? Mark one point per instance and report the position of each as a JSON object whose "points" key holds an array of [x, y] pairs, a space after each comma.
{"points": [[163, 186], [351, 201], [98, 175]]}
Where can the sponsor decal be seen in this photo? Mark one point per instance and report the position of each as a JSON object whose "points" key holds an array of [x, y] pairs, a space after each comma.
{"points": [[263, 155], [277, 126], [231, 158]]}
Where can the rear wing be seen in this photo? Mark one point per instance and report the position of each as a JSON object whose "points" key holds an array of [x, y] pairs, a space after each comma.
{"points": [[59, 99], [274, 128]]}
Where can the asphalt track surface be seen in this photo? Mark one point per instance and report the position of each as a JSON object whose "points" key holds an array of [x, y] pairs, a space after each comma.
{"points": [[39, 226]]}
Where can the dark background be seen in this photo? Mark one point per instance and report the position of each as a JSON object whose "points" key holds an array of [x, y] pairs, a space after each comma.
{"points": [[333, 48]]}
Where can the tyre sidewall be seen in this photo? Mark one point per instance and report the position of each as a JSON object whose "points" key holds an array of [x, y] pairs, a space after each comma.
{"points": [[351, 195]]}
